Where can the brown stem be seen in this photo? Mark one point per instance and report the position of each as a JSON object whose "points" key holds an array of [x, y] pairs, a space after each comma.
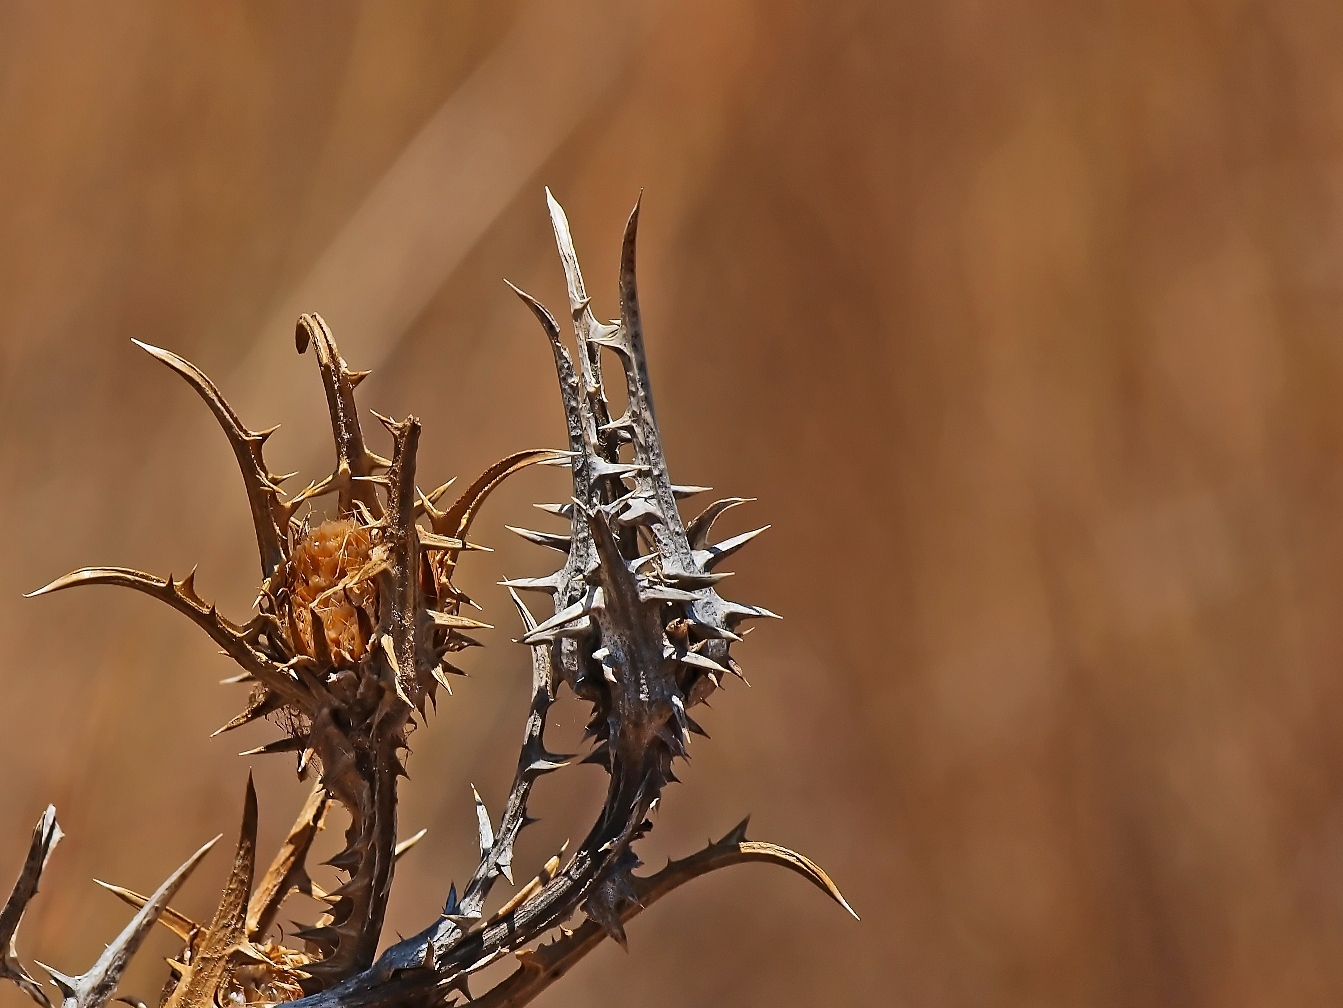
{"points": [[541, 967]]}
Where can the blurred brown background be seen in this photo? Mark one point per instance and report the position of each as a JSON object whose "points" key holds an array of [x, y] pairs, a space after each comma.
{"points": [[1021, 321]]}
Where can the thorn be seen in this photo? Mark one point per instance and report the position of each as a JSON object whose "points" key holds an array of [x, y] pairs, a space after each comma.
{"points": [[431, 540], [601, 755], [434, 495], [549, 584], [698, 660], [697, 531], [566, 615], [486, 830], [546, 764], [709, 558], [662, 593], [175, 922], [267, 704], [454, 622], [290, 743], [735, 669], [65, 984], [460, 985], [391, 425], [466, 924], [408, 843], [693, 725], [555, 542], [563, 510], [735, 836], [441, 679], [735, 612], [389, 649]]}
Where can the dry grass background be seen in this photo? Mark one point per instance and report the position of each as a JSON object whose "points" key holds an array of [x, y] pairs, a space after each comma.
{"points": [[1021, 320]]}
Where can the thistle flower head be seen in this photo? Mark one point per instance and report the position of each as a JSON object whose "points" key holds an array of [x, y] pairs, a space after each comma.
{"points": [[356, 617]]}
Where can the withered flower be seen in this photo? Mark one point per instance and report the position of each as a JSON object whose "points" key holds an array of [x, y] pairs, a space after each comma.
{"points": [[356, 619]]}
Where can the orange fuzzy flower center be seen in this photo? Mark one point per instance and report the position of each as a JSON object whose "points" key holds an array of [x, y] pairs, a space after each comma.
{"points": [[323, 560]]}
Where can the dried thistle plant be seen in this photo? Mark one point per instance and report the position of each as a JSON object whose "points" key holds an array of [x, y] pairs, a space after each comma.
{"points": [[356, 618]]}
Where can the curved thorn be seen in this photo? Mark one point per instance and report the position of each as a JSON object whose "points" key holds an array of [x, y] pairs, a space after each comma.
{"points": [[178, 924], [754, 850], [231, 637], [697, 531], [247, 449], [456, 521]]}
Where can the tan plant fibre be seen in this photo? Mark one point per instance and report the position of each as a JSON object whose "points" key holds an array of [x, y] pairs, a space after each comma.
{"points": [[318, 569]]}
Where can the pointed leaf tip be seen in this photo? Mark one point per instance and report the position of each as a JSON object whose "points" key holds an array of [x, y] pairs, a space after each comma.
{"points": [[148, 348], [804, 866], [484, 827]]}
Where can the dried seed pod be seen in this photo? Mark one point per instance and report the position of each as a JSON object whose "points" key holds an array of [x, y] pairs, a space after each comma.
{"points": [[356, 614]]}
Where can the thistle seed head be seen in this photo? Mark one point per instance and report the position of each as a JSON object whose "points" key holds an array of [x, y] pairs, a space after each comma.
{"points": [[355, 617], [318, 579]]}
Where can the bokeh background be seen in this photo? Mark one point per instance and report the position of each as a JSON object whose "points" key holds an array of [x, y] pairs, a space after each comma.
{"points": [[1020, 320]]}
